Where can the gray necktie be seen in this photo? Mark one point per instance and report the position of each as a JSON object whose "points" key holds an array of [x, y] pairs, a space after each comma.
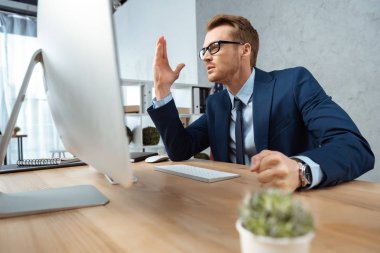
{"points": [[239, 132]]}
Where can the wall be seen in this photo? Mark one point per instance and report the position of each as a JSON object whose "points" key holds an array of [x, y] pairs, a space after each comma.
{"points": [[338, 41], [139, 24]]}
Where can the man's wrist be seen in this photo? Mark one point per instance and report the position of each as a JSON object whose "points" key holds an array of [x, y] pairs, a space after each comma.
{"points": [[162, 102], [316, 171], [305, 175], [161, 93], [296, 172]]}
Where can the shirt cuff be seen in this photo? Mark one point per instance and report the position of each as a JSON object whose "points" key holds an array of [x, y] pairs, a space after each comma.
{"points": [[316, 171], [162, 102]]}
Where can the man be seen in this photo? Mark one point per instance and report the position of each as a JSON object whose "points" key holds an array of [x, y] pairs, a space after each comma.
{"points": [[281, 122]]}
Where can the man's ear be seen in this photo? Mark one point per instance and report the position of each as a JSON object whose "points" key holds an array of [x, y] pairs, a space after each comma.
{"points": [[247, 49]]}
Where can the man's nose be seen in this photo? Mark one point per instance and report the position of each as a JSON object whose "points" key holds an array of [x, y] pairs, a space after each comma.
{"points": [[207, 56]]}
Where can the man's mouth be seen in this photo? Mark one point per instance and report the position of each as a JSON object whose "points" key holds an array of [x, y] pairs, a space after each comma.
{"points": [[210, 67]]}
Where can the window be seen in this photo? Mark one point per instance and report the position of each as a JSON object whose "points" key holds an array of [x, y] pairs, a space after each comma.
{"points": [[18, 42]]}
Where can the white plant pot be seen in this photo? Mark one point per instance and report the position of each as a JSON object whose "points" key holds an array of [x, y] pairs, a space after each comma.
{"points": [[251, 243]]}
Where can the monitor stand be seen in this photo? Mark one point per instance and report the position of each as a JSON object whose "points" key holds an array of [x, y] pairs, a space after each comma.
{"points": [[46, 200], [49, 200]]}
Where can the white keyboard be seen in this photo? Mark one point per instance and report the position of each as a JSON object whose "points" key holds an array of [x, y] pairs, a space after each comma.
{"points": [[197, 173]]}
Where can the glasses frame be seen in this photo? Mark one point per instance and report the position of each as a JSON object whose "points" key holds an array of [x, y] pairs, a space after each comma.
{"points": [[203, 51]]}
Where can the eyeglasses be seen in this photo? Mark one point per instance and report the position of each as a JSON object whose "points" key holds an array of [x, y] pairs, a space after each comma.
{"points": [[214, 47]]}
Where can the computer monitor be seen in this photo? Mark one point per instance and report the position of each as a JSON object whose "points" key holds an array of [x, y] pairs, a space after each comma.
{"points": [[82, 82], [83, 86]]}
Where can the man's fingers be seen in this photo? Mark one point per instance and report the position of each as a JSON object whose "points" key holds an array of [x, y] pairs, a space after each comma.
{"points": [[179, 68], [164, 52], [272, 173], [274, 169], [159, 49], [255, 164], [266, 176], [264, 153], [256, 159], [267, 160]]}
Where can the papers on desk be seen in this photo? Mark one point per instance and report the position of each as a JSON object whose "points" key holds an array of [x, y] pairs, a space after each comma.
{"points": [[15, 168], [46, 161]]}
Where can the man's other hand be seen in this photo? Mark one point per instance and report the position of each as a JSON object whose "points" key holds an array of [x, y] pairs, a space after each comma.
{"points": [[275, 169]]}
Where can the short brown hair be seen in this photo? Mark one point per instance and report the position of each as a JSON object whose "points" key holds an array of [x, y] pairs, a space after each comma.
{"points": [[244, 31]]}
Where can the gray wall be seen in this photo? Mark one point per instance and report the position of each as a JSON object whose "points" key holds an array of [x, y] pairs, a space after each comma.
{"points": [[139, 24], [338, 41]]}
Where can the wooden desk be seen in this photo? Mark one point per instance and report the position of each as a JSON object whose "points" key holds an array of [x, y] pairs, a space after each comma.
{"points": [[167, 213]]}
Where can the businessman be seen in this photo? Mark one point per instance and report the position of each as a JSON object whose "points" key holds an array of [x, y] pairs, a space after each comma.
{"points": [[280, 123]]}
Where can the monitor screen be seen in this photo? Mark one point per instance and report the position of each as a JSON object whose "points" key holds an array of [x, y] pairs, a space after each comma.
{"points": [[82, 82]]}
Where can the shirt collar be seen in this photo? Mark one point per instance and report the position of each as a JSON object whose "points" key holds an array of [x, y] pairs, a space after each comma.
{"points": [[245, 93]]}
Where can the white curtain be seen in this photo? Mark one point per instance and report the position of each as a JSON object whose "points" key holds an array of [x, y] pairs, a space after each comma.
{"points": [[18, 42]]}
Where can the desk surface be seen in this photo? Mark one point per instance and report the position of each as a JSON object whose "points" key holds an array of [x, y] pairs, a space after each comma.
{"points": [[167, 213]]}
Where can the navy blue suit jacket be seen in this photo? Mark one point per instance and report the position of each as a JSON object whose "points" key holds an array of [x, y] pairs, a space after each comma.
{"points": [[291, 114]]}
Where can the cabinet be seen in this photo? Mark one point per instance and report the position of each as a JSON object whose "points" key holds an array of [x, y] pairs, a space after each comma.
{"points": [[137, 97]]}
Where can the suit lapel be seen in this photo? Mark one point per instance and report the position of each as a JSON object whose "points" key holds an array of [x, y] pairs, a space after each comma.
{"points": [[262, 102]]}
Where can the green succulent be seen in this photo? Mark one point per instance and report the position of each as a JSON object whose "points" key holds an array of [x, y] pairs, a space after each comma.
{"points": [[273, 213], [203, 156], [150, 136]]}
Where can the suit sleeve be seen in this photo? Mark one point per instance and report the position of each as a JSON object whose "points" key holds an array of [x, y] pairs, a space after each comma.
{"points": [[341, 151], [180, 143]]}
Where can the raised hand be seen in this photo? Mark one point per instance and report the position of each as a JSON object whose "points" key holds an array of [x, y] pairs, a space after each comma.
{"points": [[164, 76]]}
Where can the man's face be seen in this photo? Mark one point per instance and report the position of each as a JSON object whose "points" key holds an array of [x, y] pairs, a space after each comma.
{"points": [[222, 66]]}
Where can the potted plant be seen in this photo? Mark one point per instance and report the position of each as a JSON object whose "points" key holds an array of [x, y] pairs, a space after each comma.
{"points": [[203, 156], [151, 136], [129, 134], [16, 129], [271, 221]]}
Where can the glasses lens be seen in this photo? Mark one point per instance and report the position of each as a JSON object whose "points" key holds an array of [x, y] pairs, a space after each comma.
{"points": [[214, 48], [202, 53]]}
